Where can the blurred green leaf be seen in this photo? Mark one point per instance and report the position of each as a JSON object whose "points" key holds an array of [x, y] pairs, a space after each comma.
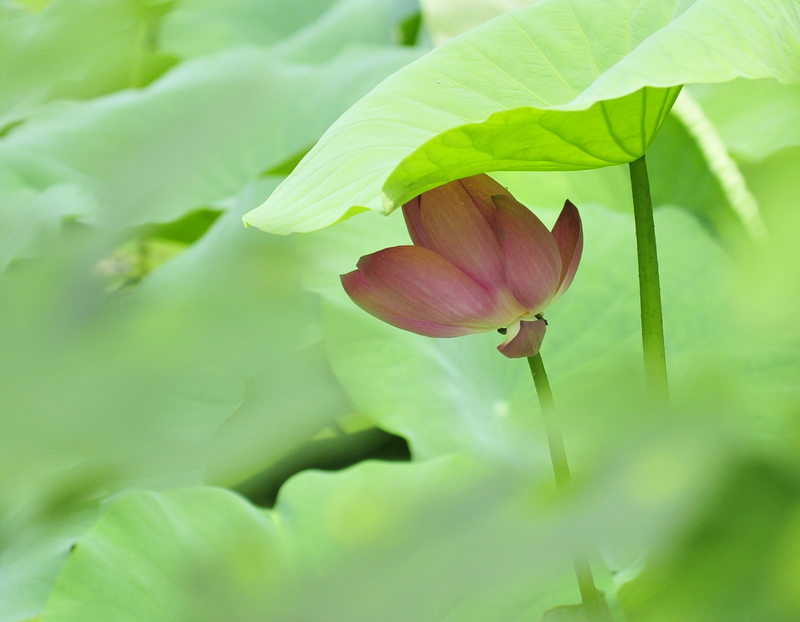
{"points": [[310, 30], [350, 23], [495, 100], [193, 138], [174, 532], [680, 176], [754, 117], [34, 544], [68, 146], [136, 385], [32, 220], [76, 49], [440, 540], [187, 229], [338, 547], [565, 613], [445, 19], [198, 27], [737, 563], [410, 28], [287, 402], [330, 450]]}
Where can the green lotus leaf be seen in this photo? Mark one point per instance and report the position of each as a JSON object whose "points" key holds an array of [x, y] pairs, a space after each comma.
{"points": [[559, 85]]}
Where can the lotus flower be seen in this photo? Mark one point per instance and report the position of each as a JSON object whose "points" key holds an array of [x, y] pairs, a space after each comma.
{"points": [[480, 261]]}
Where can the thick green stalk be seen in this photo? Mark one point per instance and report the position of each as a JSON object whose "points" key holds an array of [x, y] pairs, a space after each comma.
{"points": [[595, 607], [655, 360]]}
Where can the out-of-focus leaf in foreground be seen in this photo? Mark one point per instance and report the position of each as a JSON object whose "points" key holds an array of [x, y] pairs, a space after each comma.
{"points": [[202, 527], [138, 178], [554, 86], [738, 563], [444, 539], [137, 384], [35, 541]]}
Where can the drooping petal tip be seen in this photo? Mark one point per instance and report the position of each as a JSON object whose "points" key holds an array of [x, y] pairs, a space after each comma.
{"points": [[523, 340]]}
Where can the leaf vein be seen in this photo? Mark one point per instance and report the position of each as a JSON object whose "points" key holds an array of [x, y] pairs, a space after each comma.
{"points": [[556, 73]]}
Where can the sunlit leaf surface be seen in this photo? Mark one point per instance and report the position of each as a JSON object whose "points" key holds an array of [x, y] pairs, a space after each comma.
{"points": [[536, 89]]}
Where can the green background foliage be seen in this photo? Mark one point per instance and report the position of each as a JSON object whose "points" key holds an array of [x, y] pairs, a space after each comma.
{"points": [[196, 423]]}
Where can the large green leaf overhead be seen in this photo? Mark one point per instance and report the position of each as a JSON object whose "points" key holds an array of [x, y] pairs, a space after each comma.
{"points": [[559, 85]]}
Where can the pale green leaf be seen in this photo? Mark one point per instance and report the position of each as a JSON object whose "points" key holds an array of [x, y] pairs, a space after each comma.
{"points": [[194, 137], [719, 161], [140, 381], [73, 49], [557, 85], [310, 31], [445, 19], [349, 23], [566, 613], [755, 118], [161, 547], [442, 540], [34, 544], [197, 27], [737, 563]]}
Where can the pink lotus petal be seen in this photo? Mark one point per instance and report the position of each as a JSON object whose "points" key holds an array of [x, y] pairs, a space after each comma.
{"points": [[456, 229], [414, 222], [481, 189], [527, 340], [358, 288], [413, 288], [568, 234], [532, 260]]}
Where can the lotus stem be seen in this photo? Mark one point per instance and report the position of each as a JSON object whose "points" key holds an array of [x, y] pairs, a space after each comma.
{"points": [[655, 360], [595, 607]]}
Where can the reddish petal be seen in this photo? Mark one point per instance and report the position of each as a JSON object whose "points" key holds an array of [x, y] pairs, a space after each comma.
{"points": [[414, 222], [532, 260], [526, 342], [568, 234], [369, 299], [481, 189], [457, 230], [413, 288]]}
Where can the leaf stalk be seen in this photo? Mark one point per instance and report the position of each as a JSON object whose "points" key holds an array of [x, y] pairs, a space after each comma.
{"points": [[655, 360], [593, 604]]}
